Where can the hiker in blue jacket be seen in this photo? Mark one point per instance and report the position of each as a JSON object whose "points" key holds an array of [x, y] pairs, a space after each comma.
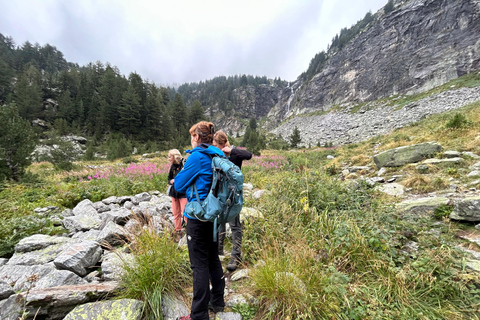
{"points": [[236, 155], [202, 250]]}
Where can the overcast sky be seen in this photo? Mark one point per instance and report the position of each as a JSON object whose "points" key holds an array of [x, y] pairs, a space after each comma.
{"points": [[178, 41]]}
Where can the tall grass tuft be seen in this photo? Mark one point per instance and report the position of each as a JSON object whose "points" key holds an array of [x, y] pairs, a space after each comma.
{"points": [[158, 268]]}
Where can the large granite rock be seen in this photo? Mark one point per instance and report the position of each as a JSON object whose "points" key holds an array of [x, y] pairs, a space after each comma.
{"points": [[408, 154], [124, 309], [421, 205], [467, 209]]}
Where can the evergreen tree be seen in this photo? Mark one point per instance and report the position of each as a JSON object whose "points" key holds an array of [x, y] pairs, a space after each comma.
{"points": [[253, 124], [389, 7], [151, 128], [243, 80], [129, 114], [6, 75], [110, 96], [196, 113], [252, 140], [295, 138], [179, 120], [66, 107], [17, 141], [28, 94]]}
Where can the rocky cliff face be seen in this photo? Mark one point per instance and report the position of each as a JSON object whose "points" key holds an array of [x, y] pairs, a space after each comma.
{"points": [[418, 46]]}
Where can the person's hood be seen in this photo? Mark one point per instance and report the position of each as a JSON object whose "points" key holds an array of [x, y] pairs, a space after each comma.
{"points": [[207, 149]]}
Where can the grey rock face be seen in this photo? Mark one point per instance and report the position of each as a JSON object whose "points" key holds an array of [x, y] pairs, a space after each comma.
{"points": [[53, 303], [82, 223], [405, 51], [112, 234]]}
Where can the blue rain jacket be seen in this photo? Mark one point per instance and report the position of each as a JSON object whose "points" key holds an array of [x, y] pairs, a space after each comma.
{"points": [[198, 169]]}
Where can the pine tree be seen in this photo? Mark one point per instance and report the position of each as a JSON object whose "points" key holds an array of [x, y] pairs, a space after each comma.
{"points": [[180, 121], [196, 113], [28, 94], [295, 138], [17, 141], [129, 114], [389, 7]]}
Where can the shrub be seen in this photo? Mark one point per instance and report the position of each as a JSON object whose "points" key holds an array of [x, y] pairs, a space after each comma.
{"points": [[458, 121], [442, 211]]}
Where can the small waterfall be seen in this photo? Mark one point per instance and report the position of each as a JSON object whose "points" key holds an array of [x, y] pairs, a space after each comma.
{"points": [[292, 94]]}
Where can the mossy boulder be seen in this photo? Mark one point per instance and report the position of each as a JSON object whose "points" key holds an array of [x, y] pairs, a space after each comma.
{"points": [[422, 205], [125, 309], [408, 154]]}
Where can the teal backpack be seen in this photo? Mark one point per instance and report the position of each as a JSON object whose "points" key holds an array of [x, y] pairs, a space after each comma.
{"points": [[225, 198]]}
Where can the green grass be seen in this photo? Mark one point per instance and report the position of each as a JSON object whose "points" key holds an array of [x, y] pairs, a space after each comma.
{"points": [[158, 268], [324, 249]]}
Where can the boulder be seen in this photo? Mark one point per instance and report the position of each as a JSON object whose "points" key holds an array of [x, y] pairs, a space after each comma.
{"points": [[422, 205], [79, 257], [450, 162], [53, 303], [85, 207], [392, 189], [173, 308], [467, 209], [408, 154], [125, 309]]}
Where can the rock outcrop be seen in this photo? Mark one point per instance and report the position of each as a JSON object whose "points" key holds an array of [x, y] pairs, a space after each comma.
{"points": [[418, 46]]}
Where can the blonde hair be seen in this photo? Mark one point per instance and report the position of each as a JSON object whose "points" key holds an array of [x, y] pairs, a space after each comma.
{"points": [[205, 130], [177, 156], [221, 137]]}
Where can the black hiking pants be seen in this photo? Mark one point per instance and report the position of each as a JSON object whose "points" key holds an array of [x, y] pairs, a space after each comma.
{"points": [[237, 235], [206, 267]]}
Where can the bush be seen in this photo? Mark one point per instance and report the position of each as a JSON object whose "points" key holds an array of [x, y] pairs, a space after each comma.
{"points": [[458, 121], [442, 211]]}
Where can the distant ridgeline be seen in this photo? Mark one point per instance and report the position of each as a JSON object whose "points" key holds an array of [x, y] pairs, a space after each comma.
{"points": [[405, 48]]}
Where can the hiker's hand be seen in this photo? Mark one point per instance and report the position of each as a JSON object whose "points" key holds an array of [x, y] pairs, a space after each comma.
{"points": [[227, 150], [172, 181]]}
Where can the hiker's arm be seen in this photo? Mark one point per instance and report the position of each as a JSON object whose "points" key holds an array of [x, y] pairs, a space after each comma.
{"points": [[242, 154], [188, 174], [170, 175]]}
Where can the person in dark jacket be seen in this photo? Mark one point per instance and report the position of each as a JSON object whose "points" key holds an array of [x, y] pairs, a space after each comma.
{"points": [[179, 199], [202, 250], [236, 155]]}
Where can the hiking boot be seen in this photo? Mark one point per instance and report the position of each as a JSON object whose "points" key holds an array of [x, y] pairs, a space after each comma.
{"points": [[233, 264], [184, 318], [215, 308]]}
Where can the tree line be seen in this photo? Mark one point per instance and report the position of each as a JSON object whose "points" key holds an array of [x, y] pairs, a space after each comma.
{"points": [[38, 85]]}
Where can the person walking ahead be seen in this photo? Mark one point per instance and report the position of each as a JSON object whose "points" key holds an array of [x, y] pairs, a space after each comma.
{"points": [[179, 199], [202, 250], [237, 156]]}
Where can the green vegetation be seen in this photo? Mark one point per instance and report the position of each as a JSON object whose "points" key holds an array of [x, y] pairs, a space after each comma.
{"points": [[157, 269], [324, 249]]}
